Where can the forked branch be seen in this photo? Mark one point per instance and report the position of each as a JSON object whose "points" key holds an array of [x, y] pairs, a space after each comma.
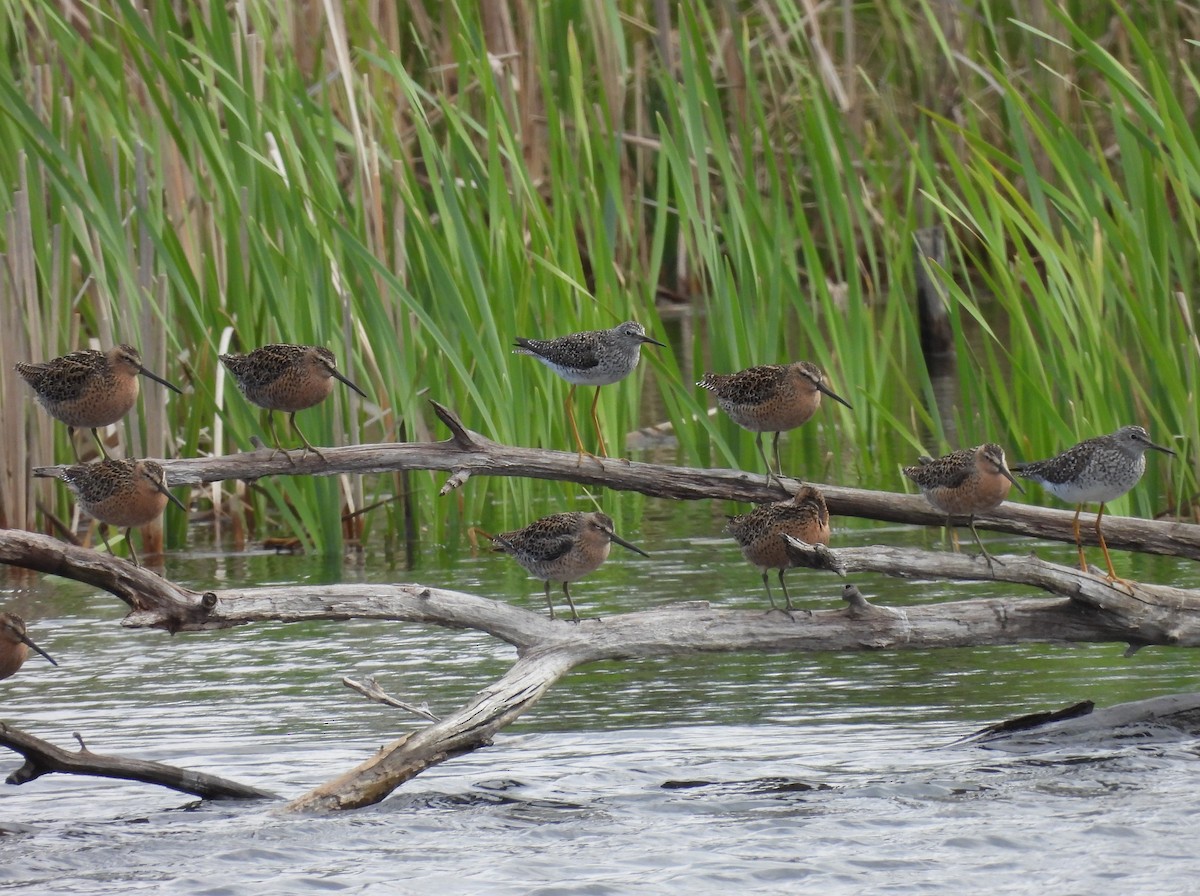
{"points": [[467, 454]]}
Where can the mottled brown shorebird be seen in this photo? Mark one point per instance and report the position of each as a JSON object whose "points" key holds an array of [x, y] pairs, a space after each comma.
{"points": [[15, 645], [89, 389], [772, 398], [1100, 469], [591, 358], [289, 378], [964, 483], [760, 533], [563, 547], [122, 493]]}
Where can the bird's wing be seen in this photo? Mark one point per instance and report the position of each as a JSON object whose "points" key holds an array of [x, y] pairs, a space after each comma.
{"points": [[64, 378], [753, 385], [267, 363], [550, 546], [577, 350], [91, 488], [1059, 469], [948, 472]]}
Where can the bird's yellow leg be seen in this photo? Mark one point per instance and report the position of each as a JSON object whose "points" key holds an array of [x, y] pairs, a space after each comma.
{"points": [[1112, 573], [596, 423], [1079, 539]]}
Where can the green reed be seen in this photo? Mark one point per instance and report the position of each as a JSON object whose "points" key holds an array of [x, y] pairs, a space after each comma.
{"points": [[390, 191], [1082, 234]]}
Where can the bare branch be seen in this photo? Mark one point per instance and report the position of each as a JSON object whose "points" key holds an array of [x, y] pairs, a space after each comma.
{"points": [[1097, 610], [468, 454], [1148, 613], [43, 758], [370, 689], [141, 589], [461, 732]]}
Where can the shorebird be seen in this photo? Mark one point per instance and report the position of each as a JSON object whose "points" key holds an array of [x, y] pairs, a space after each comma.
{"points": [[772, 398], [1099, 469], [289, 378], [760, 533], [15, 645], [964, 483], [88, 388], [591, 358], [563, 547], [122, 493]]}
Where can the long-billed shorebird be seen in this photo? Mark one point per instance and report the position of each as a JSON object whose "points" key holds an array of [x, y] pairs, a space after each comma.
{"points": [[760, 533], [122, 493], [591, 358], [563, 547], [1099, 469], [15, 645], [771, 398], [964, 483], [89, 389], [285, 377]]}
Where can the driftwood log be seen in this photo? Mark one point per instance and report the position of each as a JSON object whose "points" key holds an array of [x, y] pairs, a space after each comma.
{"points": [[1081, 606], [467, 453], [43, 758]]}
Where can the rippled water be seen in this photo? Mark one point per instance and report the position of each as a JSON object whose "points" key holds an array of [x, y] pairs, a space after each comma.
{"points": [[741, 773]]}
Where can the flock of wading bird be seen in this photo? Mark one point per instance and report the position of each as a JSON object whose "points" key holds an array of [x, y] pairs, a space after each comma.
{"points": [[93, 389]]}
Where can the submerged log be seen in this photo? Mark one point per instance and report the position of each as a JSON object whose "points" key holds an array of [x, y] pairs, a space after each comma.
{"points": [[1171, 717]]}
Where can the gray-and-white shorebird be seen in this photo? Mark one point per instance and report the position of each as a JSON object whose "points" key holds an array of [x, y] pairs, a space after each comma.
{"points": [[1097, 470], [591, 358]]}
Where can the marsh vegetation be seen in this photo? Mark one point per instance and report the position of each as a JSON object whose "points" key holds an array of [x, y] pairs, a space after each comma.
{"points": [[414, 185]]}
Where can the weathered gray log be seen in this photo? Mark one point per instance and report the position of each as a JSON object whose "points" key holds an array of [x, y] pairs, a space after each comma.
{"points": [[1086, 608], [697, 627], [43, 758], [468, 454], [1094, 609], [461, 732], [1144, 613]]}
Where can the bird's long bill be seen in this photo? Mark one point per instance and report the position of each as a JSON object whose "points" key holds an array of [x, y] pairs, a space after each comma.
{"points": [[158, 379], [1009, 477], [646, 338], [27, 641], [822, 387], [163, 488], [474, 531], [1163, 449], [625, 544], [338, 374]]}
